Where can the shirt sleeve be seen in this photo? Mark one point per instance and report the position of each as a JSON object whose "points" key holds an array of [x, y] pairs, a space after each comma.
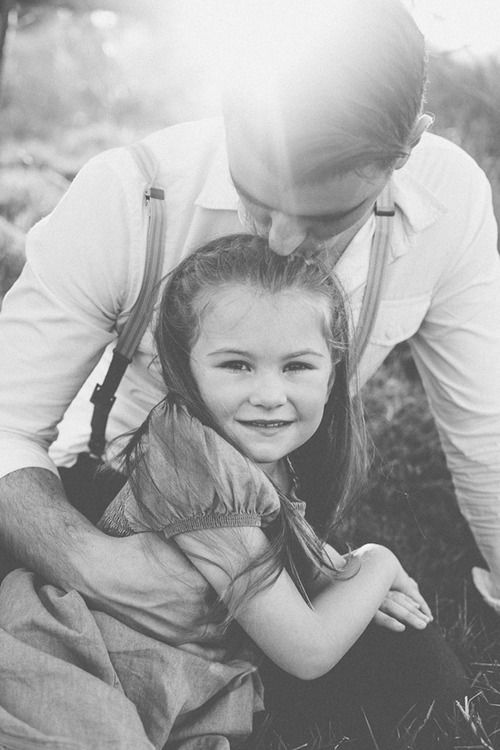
{"points": [[457, 352], [79, 283], [190, 479]]}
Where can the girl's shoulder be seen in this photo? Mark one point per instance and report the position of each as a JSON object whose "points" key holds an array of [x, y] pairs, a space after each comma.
{"points": [[190, 478]]}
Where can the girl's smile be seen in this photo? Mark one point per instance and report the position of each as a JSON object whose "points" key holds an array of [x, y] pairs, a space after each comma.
{"points": [[263, 368]]}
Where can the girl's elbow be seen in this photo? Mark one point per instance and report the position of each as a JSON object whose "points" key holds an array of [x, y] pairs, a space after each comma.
{"points": [[312, 666], [313, 671]]}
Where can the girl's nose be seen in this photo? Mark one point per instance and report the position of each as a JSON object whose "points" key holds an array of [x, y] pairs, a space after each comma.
{"points": [[268, 393], [286, 233]]}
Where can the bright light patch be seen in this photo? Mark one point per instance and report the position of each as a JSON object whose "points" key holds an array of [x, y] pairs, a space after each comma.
{"points": [[458, 24], [219, 34], [104, 19], [212, 31]]}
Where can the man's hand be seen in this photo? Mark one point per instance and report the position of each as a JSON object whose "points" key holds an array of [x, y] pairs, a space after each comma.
{"points": [[125, 577], [487, 587]]}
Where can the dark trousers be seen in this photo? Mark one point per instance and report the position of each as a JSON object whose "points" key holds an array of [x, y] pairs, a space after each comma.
{"points": [[89, 487], [384, 677]]}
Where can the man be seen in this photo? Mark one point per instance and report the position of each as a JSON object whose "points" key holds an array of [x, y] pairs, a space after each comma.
{"points": [[307, 149]]}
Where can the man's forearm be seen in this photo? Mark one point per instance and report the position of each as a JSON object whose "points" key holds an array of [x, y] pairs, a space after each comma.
{"points": [[44, 532], [124, 577]]}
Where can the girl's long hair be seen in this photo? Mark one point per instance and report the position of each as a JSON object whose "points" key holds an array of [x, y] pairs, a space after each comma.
{"points": [[331, 465]]}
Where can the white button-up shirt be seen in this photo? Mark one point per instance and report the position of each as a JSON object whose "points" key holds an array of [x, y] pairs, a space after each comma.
{"points": [[84, 269]]}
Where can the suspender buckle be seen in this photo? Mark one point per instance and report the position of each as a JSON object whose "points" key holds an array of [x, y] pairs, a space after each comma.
{"points": [[99, 397], [384, 210], [102, 406], [154, 192]]}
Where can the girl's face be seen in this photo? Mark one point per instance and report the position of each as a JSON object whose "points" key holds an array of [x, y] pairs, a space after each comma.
{"points": [[263, 368]]}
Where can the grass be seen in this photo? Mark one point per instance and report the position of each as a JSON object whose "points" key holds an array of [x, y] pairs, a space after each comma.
{"points": [[60, 107]]}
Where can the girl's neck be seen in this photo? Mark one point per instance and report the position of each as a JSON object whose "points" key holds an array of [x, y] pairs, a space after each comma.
{"points": [[279, 473]]}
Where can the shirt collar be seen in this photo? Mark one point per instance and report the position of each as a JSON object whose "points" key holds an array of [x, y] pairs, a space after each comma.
{"points": [[218, 191], [417, 207]]}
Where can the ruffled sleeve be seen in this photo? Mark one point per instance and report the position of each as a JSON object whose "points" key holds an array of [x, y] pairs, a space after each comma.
{"points": [[190, 479]]}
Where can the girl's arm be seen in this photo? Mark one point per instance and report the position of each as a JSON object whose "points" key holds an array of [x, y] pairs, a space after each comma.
{"points": [[306, 642], [401, 607]]}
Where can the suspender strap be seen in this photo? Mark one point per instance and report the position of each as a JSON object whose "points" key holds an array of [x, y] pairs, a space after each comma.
{"points": [[379, 255], [142, 311], [103, 396]]}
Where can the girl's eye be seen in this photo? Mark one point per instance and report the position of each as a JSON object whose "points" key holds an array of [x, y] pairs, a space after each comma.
{"points": [[298, 366], [235, 364]]}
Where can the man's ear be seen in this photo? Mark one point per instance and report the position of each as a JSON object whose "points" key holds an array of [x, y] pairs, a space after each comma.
{"points": [[422, 123]]}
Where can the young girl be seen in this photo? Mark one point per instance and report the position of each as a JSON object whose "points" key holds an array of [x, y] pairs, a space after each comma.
{"points": [[243, 471], [257, 434]]}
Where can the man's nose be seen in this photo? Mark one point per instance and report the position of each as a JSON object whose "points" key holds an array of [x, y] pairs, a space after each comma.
{"points": [[268, 392], [286, 233]]}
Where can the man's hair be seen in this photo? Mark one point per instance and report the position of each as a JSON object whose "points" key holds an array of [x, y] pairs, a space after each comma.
{"points": [[344, 96]]}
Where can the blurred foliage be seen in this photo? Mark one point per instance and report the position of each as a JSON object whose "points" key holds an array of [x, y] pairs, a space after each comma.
{"points": [[75, 84], [464, 93], [71, 72]]}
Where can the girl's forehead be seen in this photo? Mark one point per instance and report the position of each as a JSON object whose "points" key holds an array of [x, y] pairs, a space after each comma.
{"points": [[238, 298], [246, 310]]}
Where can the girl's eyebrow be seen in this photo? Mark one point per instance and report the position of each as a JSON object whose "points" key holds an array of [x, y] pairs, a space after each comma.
{"points": [[305, 217], [244, 353], [305, 353], [237, 352]]}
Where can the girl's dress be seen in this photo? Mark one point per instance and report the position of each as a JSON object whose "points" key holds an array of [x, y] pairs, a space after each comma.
{"points": [[74, 677]]}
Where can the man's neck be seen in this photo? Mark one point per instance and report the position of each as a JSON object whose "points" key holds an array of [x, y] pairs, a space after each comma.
{"points": [[333, 249]]}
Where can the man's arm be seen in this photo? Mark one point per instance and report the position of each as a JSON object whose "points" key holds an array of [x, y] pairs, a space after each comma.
{"points": [[62, 312], [44, 531], [55, 322], [36, 519], [457, 352]]}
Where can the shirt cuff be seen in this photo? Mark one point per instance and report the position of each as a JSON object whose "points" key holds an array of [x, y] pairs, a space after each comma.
{"points": [[482, 582], [16, 454]]}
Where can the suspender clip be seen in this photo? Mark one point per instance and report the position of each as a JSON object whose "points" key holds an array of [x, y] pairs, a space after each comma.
{"points": [[384, 210], [154, 192], [99, 396]]}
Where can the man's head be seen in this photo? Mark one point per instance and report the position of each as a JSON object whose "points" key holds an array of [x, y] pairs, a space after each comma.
{"points": [[321, 113]]}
